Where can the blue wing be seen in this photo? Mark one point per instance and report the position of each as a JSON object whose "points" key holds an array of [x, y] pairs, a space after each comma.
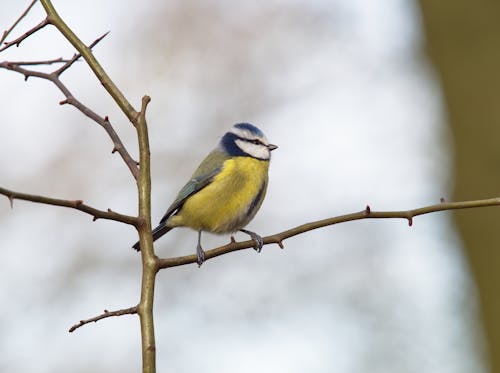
{"points": [[192, 186], [204, 175]]}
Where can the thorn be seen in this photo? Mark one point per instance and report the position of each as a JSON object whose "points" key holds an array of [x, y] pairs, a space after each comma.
{"points": [[106, 311], [410, 221], [11, 200], [95, 218], [368, 210], [26, 76], [280, 244], [232, 239], [114, 150], [109, 210], [63, 102], [106, 118], [442, 200]]}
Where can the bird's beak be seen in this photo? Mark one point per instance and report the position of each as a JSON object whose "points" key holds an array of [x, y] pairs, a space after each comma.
{"points": [[272, 147]]}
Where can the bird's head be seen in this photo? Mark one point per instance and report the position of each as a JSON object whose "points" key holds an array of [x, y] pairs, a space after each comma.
{"points": [[244, 139]]}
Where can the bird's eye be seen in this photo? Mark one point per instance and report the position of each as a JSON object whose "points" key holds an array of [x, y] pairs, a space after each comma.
{"points": [[256, 142]]}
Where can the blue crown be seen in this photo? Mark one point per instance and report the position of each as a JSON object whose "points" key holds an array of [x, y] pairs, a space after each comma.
{"points": [[249, 127], [228, 141]]}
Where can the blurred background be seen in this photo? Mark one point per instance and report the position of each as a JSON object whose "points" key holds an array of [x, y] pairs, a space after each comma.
{"points": [[391, 104]]}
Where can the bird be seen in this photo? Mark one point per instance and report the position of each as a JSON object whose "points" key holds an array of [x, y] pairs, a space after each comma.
{"points": [[225, 191]]}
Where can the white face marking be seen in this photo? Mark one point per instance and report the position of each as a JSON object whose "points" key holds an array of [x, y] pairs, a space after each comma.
{"points": [[245, 134], [255, 150]]}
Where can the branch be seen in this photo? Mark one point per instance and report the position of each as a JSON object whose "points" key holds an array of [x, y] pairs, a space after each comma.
{"points": [[148, 257], [74, 204], [54, 77], [63, 68], [7, 32], [367, 213], [106, 314], [18, 41], [44, 62], [54, 18]]}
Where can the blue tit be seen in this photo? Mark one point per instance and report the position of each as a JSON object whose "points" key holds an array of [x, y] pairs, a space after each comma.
{"points": [[226, 190]]}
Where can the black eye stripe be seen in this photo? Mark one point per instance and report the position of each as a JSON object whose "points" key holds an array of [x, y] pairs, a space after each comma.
{"points": [[252, 141]]}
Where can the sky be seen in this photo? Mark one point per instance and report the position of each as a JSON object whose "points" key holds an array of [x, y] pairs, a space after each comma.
{"points": [[346, 92]]}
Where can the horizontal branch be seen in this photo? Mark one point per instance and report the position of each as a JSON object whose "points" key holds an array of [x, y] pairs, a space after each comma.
{"points": [[367, 213], [105, 314], [74, 204], [43, 62]]}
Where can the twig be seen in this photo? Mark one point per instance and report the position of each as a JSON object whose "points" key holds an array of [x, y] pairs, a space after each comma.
{"points": [[63, 68], [87, 55], [104, 122], [74, 204], [18, 41], [7, 32], [105, 314], [44, 62], [367, 213]]}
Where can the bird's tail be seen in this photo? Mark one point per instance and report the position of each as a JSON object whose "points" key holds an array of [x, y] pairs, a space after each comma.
{"points": [[157, 233]]}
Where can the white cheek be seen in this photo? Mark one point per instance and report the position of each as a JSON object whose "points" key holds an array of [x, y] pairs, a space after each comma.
{"points": [[255, 150]]}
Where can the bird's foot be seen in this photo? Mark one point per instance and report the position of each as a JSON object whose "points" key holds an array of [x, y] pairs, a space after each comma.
{"points": [[259, 242], [200, 254]]}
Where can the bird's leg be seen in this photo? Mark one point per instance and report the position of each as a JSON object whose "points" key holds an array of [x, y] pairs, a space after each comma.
{"points": [[199, 251], [259, 242]]}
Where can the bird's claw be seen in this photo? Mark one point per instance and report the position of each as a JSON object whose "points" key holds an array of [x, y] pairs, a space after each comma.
{"points": [[259, 241], [200, 255]]}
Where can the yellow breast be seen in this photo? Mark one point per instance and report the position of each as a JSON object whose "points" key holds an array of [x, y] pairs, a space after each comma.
{"points": [[229, 202]]}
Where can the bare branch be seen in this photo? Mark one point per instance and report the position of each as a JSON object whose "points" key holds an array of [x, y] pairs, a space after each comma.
{"points": [[105, 314], [104, 122], [44, 62], [367, 213], [7, 32], [18, 41], [70, 62], [148, 257], [75, 204], [86, 53]]}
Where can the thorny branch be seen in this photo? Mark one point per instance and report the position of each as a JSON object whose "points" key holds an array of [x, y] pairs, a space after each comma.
{"points": [[74, 204], [367, 213], [54, 77], [16, 22], [142, 176], [18, 41], [44, 62]]}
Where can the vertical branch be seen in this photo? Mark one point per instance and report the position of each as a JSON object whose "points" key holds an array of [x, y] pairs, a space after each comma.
{"points": [[149, 259]]}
